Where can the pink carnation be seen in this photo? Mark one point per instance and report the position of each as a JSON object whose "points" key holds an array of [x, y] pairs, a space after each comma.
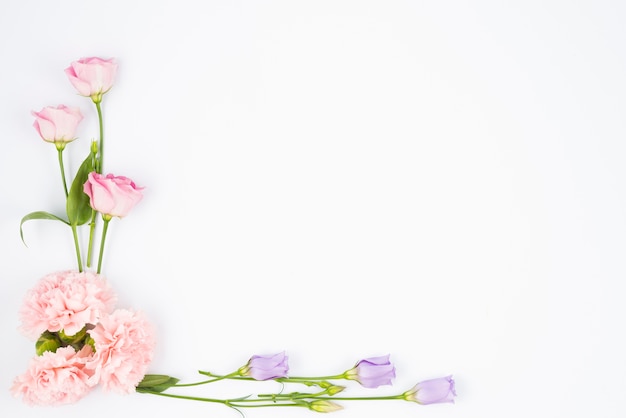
{"points": [[124, 343], [66, 301], [55, 378]]}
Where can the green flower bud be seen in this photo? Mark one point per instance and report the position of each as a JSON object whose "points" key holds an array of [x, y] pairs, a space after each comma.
{"points": [[335, 389], [324, 406]]}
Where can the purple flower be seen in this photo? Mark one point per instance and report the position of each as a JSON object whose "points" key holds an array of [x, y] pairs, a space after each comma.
{"points": [[266, 367], [439, 390], [373, 372]]}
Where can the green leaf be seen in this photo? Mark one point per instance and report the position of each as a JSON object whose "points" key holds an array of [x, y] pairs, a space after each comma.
{"points": [[39, 215], [156, 383], [78, 208], [47, 342]]}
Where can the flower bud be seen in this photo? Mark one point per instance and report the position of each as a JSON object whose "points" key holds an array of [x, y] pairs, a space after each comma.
{"points": [[92, 76], [335, 389], [57, 124], [324, 406], [372, 372], [440, 390], [266, 367]]}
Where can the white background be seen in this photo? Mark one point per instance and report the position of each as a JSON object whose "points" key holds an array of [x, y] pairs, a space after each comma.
{"points": [[441, 181]]}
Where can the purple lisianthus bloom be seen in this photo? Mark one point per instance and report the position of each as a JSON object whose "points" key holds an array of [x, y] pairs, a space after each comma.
{"points": [[440, 390], [266, 367], [373, 372]]}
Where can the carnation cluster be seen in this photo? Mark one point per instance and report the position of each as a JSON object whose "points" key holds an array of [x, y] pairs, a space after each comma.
{"points": [[83, 341]]}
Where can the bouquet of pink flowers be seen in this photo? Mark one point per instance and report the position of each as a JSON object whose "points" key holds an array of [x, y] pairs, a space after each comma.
{"points": [[82, 340]]}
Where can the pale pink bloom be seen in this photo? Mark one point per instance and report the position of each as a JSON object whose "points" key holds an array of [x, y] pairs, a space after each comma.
{"points": [[112, 195], [66, 300], [55, 378], [124, 343], [57, 124], [92, 76]]}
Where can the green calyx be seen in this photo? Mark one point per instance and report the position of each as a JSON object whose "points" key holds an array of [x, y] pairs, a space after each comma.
{"points": [[52, 341]]}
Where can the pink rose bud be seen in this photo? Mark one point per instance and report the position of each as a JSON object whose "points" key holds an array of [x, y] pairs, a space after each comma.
{"points": [[266, 367], [373, 372], [57, 124], [112, 195], [440, 390], [92, 76]]}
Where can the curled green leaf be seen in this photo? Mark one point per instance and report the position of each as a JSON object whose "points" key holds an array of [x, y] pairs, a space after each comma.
{"points": [[39, 215]]}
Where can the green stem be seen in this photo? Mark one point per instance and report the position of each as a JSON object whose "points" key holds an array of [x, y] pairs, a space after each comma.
{"points": [[92, 231], [359, 398], [294, 395], [60, 153], [237, 403], [99, 160], [106, 219], [294, 379], [308, 379], [80, 262], [217, 378]]}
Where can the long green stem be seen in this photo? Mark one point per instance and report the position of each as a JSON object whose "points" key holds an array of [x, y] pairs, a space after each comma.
{"points": [[62, 167], [236, 403], [98, 168], [99, 159], [358, 398], [78, 258], [92, 231], [217, 379], [104, 235], [290, 379]]}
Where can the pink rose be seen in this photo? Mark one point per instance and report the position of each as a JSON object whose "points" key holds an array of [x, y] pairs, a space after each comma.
{"points": [[124, 344], [92, 76], [55, 378], [111, 195], [57, 124], [66, 301]]}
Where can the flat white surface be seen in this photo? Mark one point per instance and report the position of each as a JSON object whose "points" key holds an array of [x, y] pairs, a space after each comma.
{"points": [[442, 181]]}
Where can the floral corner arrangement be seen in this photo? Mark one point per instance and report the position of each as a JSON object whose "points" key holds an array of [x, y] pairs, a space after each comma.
{"points": [[82, 340]]}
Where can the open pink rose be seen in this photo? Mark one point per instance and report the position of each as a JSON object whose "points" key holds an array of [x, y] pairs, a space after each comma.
{"points": [[57, 124], [92, 76], [112, 195]]}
